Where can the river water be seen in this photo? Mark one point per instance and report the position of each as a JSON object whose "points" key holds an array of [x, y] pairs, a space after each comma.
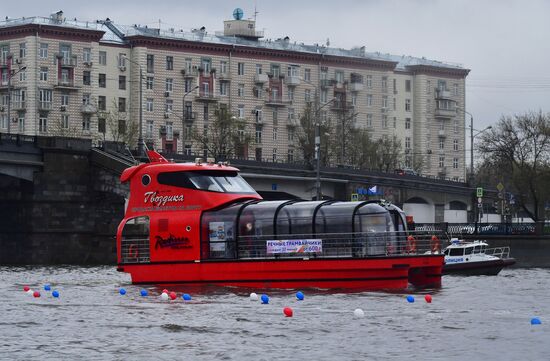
{"points": [[470, 318]]}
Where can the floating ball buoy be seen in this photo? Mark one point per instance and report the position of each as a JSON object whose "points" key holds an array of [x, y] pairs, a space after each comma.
{"points": [[55, 293], [186, 297], [36, 294], [30, 292], [359, 313], [300, 296], [164, 296], [122, 291], [253, 297], [165, 291], [287, 311], [265, 299], [173, 296], [47, 287], [428, 298], [410, 299], [143, 292], [26, 288], [535, 321]]}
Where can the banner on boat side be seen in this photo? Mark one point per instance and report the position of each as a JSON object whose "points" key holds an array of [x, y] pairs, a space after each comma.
{"points": [[295, 246]]}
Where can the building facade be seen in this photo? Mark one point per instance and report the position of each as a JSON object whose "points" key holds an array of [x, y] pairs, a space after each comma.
{"points": [[88, 79]]}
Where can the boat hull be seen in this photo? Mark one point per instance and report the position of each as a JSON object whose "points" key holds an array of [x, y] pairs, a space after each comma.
{"points": [[367, 273], [479, 268]]}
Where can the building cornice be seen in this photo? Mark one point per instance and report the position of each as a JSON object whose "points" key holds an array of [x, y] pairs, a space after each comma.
{"points": [[437, 71], [49, 31]]}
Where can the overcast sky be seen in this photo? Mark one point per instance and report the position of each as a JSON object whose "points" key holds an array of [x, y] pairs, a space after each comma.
{"points": [[505, 43]]}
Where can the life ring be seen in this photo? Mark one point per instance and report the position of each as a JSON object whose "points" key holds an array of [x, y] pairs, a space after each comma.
{"points": [[435, 245], [133, 251], [411, 244]]}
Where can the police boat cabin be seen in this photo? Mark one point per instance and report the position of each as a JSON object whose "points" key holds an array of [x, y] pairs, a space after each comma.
{"points": [[202, 223]]}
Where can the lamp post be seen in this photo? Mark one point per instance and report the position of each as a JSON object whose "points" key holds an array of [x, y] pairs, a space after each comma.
{"points": [[318, 146], [9, 94], [140, 139], [183, 112]]}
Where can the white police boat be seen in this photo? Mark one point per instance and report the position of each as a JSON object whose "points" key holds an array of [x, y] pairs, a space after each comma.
{"points": [[475, 258]]}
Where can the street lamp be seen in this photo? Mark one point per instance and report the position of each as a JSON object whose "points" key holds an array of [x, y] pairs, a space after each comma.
{"points": [[183, 112], [9, 94], [318, 147], [140, 139]]}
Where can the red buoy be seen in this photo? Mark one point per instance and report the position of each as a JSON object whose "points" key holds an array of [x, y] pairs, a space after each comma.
{"points": [[288, 311], [36, 294], [165, 291], [428, 298], [173, 295], [26, 288]]}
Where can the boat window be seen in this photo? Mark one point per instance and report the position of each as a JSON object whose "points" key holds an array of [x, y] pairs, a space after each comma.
{"points": [[446, 252], [214, 181], [134, 242], [468, 250], [456, 252], [372, 218], [335, 217], [477, 249], [297, 218], [218, 232]]}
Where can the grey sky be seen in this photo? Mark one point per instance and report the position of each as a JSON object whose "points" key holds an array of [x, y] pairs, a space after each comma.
{"points": [[505, 43]]}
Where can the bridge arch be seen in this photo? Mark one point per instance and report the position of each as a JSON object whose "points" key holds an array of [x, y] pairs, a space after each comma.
{"points": [[422, 209], [456, 211]]}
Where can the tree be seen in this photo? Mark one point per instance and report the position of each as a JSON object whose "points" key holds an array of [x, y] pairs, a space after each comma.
{"points": [[361, 148], [518, 149], [118, 127], [306, 135], [387, 153], [225, 137]]}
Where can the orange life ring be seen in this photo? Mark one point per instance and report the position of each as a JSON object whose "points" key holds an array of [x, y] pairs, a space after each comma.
{"points": [[411, 244], [435, 245], [133, 251]]}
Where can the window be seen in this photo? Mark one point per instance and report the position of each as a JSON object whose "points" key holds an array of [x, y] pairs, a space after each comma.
{"points": [[407, 143], [169, 63], [291, 135], [339, 76], [307, 74], [188, 150], [86, 120], [369, 81], [45, 98], [65, 121], [43, 124], [290, 94], [384, 83], [43, 73], [64, 99], [407, 105], [384, 121], [290, 155], [291, 114], [86, 78], [455, 144], [149, 83], [188, 65], [384, 102], [223, 67], [206, 65], [369, 100], [455, 163], [102, 102], [102, 81], [324, 73], [441, 144], [275, 133], [240, 111], [275, 71], [394, 104], [395, 86], [21, 123], [428, 87], [65, 51], [23, 75], [223, 88], [22, 50], [122, 105], [407, 85], [294, 70], [87, 55], [258, 154], [101, 126], [258, 134], [122, 82], [103, 58], [240, 68], [149, 129], [169, 131], [150, 63], [354, 99], [240, 90], [169, 85], [122, 60], [274, 154], [307, 95], [169, 106], [324, 96], [86, 99], [369, 120], [275, 116], [441, 161], [455, 89], [442, 85], [149, 104], [407, 123], [122, 126], [456, 126], [3, 121], [43, 51]]}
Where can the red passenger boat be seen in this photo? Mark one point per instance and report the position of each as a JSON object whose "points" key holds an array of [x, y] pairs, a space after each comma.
{"points": [[201, 223]]}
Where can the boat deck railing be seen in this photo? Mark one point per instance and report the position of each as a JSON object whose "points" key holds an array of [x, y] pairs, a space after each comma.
{"points": [[500, 252]]}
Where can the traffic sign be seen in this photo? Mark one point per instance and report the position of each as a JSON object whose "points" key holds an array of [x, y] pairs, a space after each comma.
{"points": [[479, 192], [479, 200], [500, 187], [354, 197]]}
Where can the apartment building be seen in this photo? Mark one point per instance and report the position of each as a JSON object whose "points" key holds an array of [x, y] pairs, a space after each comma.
{"points": [[88, 79]]}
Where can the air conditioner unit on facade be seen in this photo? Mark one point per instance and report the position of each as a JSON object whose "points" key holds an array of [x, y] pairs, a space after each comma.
{"points": [[122, 68], [1, 109], [63, 108], [166, 115], [166, 94]]}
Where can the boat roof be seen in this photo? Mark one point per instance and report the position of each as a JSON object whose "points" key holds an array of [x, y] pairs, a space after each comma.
{"points": [[456, 243], [160, 167]]}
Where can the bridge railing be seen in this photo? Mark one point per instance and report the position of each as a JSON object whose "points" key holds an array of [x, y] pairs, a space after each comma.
{"points": [[461, 229]]}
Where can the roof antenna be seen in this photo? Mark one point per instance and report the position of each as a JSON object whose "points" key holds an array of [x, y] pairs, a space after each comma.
{"points": [[255, 11]]}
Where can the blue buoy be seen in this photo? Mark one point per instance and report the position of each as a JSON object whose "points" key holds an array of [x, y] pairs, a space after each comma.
{"points": [[122, 291], [55, 294], [143, 292], [265, 299], [47, 287], [300, 296], [410, 299], [535, 321], [186, 297]]}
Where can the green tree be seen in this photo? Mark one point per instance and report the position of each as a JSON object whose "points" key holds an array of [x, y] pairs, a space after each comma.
{"points": [[119, 128], [306, 136]]}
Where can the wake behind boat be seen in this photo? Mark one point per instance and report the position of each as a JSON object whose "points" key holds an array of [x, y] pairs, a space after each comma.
{"points": [[475, 258]]}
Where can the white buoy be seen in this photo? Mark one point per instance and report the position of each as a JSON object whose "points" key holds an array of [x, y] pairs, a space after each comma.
{"points": [[253, 297], [30, 292], [164, 296], [359, 313]]}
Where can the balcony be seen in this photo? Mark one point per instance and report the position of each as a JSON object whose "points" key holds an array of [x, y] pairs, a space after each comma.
{"points": [[444, 113], [355, 87], [45, 105], [193, 73], [224, 77], [442, 94], [204, 96], [293, 80], [66, 62], [261, 78], [326, 83], [189, 116], [275, 102], [341, 105], [441, 134], [292, 123], [19, 105], [66, 85], [88, 109]]}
